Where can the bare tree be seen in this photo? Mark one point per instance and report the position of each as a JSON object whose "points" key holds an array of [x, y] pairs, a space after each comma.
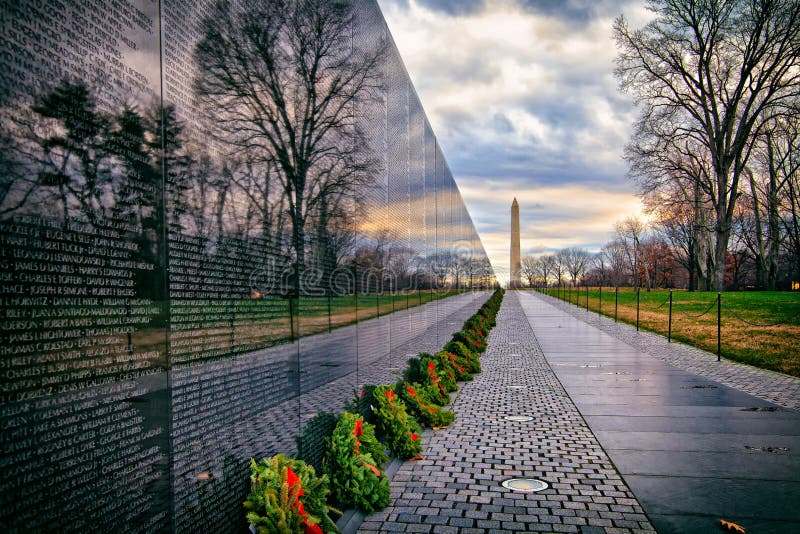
{"points": [[576, 262], [790, 201], [560, 266], [281, 80], [775, 164], [715, 69], [530, 269], [599, 265], [547, 265], [616, 261], [678, 222], [673, 177], [629, 234]]}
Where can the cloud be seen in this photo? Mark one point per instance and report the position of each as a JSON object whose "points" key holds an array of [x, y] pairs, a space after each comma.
{"points": [[523, 101], [450, 7], [575, 12]]}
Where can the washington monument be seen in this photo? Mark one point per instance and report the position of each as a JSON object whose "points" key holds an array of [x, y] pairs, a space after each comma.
{"points": [[516, 266]]}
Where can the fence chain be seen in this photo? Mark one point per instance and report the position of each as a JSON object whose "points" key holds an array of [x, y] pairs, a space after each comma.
{"points": [[713, 303], [750, 322], [662, 304], [730, 310]]}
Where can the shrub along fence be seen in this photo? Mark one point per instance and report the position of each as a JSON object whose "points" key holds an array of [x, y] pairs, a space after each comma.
{"points": [[299, 495], [758, 328]]}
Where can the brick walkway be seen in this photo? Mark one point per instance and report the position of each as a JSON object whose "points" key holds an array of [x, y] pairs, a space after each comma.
{"points": [[456, 488], [782, 389]]}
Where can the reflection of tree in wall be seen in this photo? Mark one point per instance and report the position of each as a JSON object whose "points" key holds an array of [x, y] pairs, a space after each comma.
{"points": [[58, 156], [65, 159], [281, 80]]}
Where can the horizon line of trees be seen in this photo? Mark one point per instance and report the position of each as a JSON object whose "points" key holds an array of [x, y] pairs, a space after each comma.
{"points": [[654, 255]]}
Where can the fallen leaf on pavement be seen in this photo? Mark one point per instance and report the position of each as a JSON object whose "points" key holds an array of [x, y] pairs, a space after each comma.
{"points": [[731, 527]]}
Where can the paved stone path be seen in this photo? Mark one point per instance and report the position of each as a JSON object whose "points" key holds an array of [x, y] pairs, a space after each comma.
{"points": [[456, 487], [782, 389]]}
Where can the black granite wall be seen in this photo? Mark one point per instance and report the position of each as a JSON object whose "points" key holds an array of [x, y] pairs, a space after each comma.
{"points": [[156, 331]]}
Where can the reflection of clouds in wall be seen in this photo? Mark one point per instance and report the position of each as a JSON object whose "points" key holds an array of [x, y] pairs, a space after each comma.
{"points": [[445, 207]]}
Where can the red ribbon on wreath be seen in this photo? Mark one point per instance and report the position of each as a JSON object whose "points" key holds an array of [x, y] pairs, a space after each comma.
{"points": [[434, 379], [293, 480], [390, 396], [359, 428], [432, 372]]}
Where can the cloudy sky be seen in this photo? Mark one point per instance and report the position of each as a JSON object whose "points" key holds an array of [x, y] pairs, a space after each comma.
{"points": [[522, 98]]}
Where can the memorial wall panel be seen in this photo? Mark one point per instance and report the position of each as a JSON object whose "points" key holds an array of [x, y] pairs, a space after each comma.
{"points": [[171, 307], [84, 412], [399, 222], [414, 225]]}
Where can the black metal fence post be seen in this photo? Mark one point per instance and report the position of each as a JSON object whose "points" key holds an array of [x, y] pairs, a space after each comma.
{"points": [[600, 300], [587, 298], [616, 302], [719, 326], [669, 328], [637, 308]]}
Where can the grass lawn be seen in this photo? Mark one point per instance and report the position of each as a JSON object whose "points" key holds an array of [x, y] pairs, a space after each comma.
{"points": [[744, 337]]}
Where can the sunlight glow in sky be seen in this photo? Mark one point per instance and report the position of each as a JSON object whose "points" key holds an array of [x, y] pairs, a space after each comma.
{"points": [[522, 98]]}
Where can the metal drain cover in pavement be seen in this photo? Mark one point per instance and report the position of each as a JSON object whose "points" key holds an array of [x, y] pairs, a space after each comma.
{"points": [[525, 485], [518, 418]]}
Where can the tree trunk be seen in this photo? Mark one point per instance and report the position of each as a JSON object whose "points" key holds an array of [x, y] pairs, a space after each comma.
{"points": [[690, 265], [726, 200], [773, 222], [759, 252], [723, 233]]}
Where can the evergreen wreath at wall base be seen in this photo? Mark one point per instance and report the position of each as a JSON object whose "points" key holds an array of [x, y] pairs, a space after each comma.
{"points": [[288, 496], [353, 463]]}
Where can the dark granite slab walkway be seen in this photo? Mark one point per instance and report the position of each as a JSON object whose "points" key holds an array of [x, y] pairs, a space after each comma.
{"points": [[692, 449]]}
